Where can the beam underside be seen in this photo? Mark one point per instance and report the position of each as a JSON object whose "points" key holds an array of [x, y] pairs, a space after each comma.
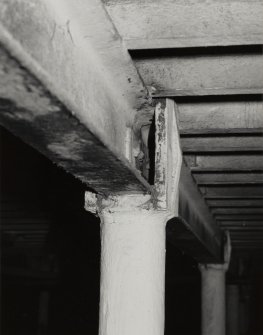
{"points": [[176, 24], [202, 75], [49, 126], [54, 131], [195, 230]]}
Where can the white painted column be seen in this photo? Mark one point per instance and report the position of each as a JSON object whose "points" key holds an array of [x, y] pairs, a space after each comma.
{"points": [[133, 239], [132, 265], [213, 294], [213, 299], [232, 315]]}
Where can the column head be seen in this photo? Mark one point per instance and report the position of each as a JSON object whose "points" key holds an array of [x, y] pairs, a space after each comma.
{"points": [[135, 207], [227, 256], [96, 203]]}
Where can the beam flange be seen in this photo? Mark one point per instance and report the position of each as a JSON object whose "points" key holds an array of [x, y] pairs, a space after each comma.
{"points": [[192, 228], [223, 161], [194, 73], [66, 82], [220, 144], [33, 113], [195, 230], [217, 178], [228, 116]]}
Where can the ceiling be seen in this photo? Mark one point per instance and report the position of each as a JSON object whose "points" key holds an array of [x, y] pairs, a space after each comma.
{"points": [[204, 55], [207, 56]]}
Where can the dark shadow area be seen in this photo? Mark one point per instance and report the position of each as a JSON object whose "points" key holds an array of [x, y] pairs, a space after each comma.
{"points": [[218, 98], [255, 49], [182, 296], [50, 245], [51, 253], [50, 257]]}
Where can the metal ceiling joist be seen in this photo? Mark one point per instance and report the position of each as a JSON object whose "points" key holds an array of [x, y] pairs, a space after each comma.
{"points": [[219, 162], [179, 23], [222, 116], [214, 178], [219, 144], [207, 72], [235, 203]]}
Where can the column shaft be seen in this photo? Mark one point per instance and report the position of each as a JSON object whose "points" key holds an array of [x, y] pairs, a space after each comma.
{"points": [[132, 274], [232, 316], [132, 264], [213, 300]]}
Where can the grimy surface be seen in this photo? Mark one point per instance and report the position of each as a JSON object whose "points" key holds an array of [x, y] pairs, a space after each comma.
{"points": [[57, 42], [180, 23], [100, 62], [213, 71], [74, 75], [34, 114]]}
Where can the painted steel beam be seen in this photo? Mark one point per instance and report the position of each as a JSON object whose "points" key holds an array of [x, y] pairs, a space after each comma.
{"points": [[239, 219], [153, 24], [237, 210], [246, 202], [69, 88], [222, 162], [219, 178], [205, 72], [216, 191], [192, 229], [229, 117], [242, 223], [220, 144], [195, 230]]}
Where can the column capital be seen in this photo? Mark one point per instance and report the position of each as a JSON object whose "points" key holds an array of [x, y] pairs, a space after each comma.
{"points": [[133, 204], [132, 263], [227, 256], [96, 203], [219, 267]]}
